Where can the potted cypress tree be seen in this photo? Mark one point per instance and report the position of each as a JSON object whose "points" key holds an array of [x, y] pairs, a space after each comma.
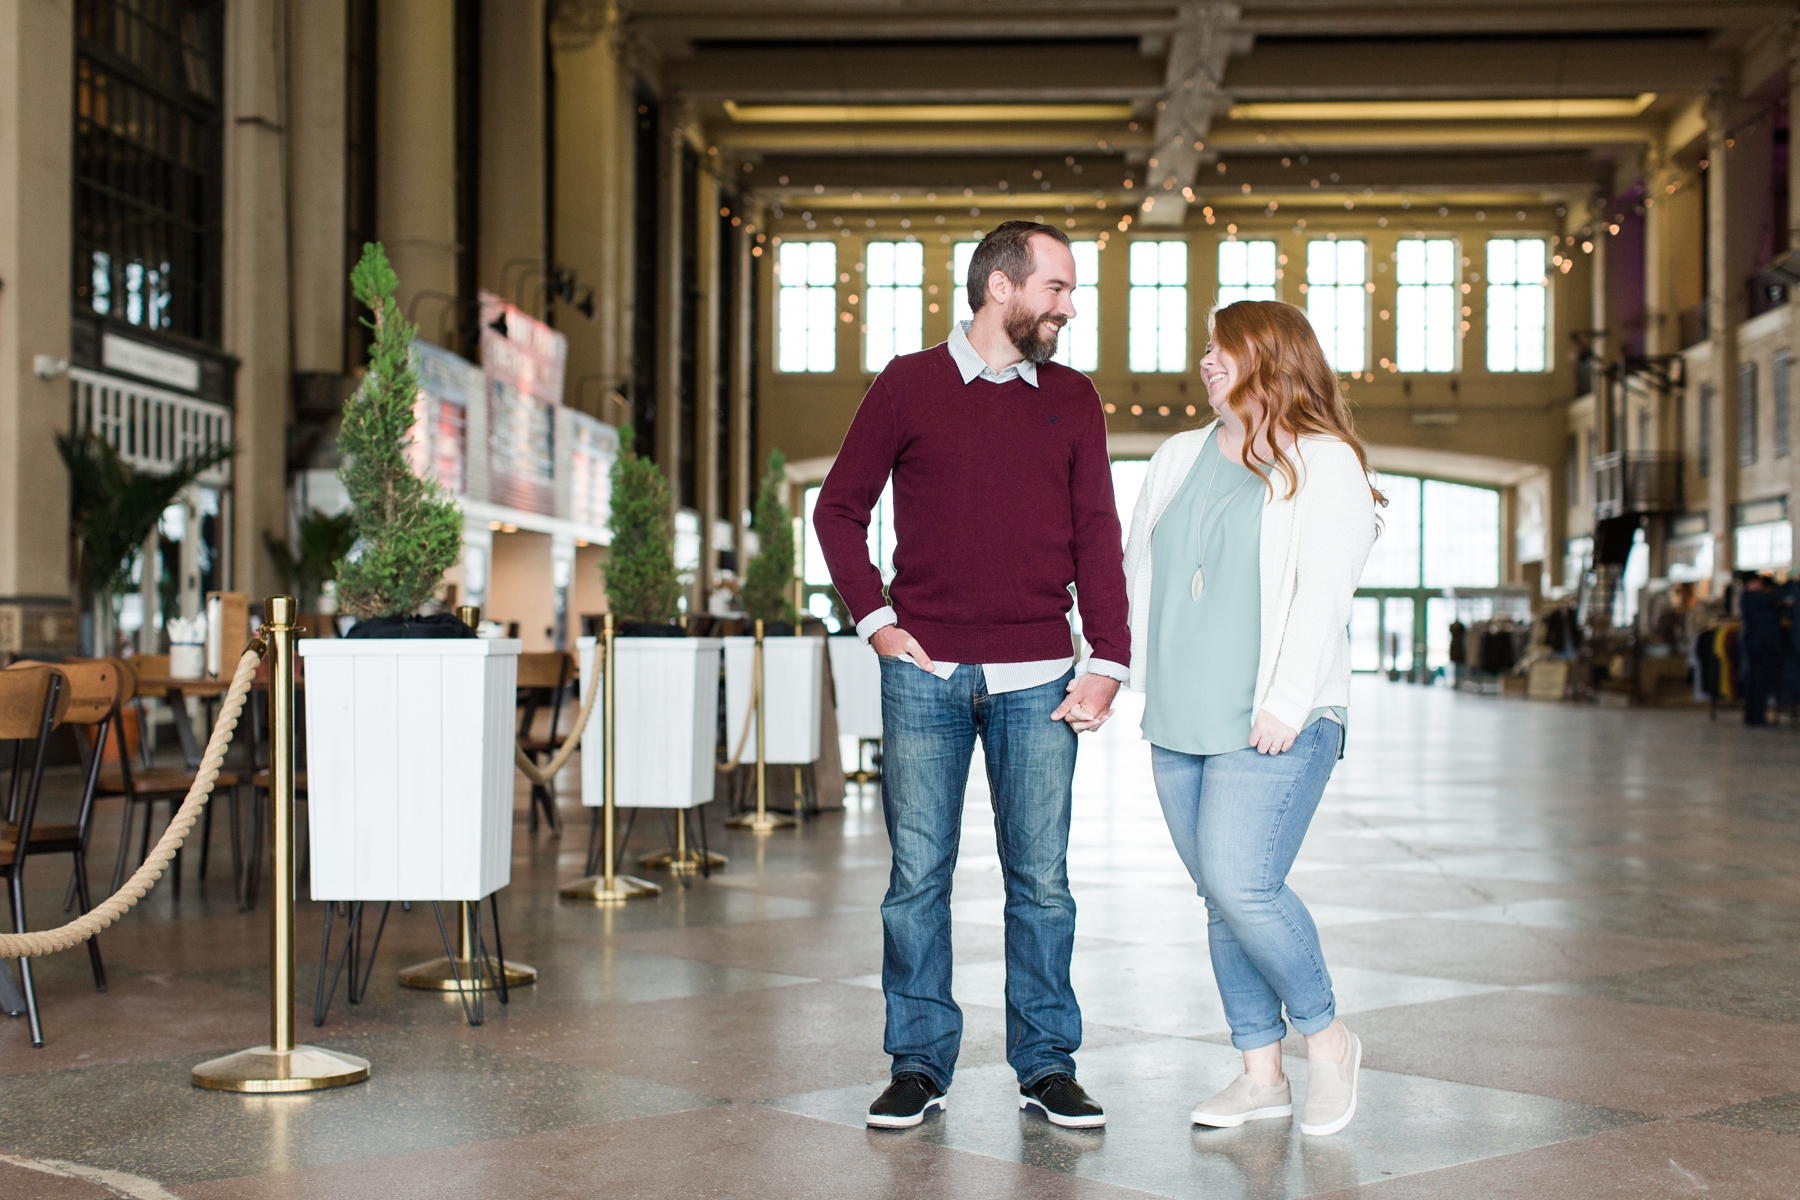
{"points": [[668, 685], [793, 667], [409, 718]]}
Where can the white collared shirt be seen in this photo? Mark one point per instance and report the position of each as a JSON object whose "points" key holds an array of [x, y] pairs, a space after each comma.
{"points": [[1001, 677]]}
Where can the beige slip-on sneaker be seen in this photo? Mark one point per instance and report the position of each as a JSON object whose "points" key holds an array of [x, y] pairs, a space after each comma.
{"points": [[1331, 1091], [1245, 1100]]}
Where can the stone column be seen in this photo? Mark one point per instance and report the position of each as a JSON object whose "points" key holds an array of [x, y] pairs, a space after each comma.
{"points": [[317, 36], [415, 141], [1732, 179], [589, 106], [510, 249], [673, 231], [255, 286], [706, 347], [37, 65], [742, 469]]}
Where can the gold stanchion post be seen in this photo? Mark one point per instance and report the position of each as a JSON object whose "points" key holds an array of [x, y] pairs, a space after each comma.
{"points": [[606, 887], [281, 1066], [441, 974], [762, 820]]}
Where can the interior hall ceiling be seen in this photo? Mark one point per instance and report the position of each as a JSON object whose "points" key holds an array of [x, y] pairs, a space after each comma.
{"points": [[972, 104]]}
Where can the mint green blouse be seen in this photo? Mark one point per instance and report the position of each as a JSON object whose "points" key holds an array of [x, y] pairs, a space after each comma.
{"points": [[1204, 653]]}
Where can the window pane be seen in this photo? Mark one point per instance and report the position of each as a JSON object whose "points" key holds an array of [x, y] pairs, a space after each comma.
{"points": [[1365, 634], [821, 329], [1143, 264], [1336, 301], [1426, 323], [1517, 301], [1439, 612], [1462, 535], [1234, 270], [1262, 263], [960, 254], [1394, 559], [806, 337], [1143, 335], [1172, 264], [1397, 633], [1172, 330], [1078, 345], [893, 316], [880, 259], [1158, 307]]}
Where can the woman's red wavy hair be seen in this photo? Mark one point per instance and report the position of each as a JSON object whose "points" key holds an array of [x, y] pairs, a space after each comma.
{"points": [[1282, 367]]}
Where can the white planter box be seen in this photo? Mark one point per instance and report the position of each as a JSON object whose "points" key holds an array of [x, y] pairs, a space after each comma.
{"points": [[856, 679], [409, 746], [668, 698], [793, 696]]}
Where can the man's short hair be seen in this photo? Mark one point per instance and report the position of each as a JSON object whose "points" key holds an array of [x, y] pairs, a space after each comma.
{"points": [[1008, 250]]}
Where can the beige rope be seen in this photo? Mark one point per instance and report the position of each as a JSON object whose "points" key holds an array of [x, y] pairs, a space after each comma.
{"points": [[49, 941], [749, 717], [544, 774]]}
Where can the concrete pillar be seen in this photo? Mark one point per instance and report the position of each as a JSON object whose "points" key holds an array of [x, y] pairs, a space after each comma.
{"points": [[672, 230], [590, 192], [255, 285], [415, 139], [37, 65], [749, 266], [511, 246], [317, 36], [1732, 178], [706, 400]]}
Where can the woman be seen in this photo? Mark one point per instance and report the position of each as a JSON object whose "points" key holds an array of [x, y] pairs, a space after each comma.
{"points": [[1245, 551]]}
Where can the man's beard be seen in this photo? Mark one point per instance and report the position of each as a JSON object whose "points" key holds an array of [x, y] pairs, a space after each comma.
{"points": [[1026, 329]]}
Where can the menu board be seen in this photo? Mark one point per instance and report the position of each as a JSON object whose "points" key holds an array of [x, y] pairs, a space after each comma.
{"points": [[524, 361], [448, 386]]}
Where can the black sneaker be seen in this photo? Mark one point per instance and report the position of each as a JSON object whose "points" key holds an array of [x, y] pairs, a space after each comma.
{"points": [[905, 1102], [1063, 1102]]}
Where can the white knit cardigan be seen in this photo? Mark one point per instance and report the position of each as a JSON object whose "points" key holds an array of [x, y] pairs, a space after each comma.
{"points": [[1313, 548]]}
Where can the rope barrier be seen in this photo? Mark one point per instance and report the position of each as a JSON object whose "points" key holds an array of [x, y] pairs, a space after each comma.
{"points": [[49, 941], [542, 776]]}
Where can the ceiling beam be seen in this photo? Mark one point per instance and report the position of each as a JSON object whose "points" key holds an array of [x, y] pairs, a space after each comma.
{"points": [[967, 137], [1476, 69], [971, 74], [1191, 98]]}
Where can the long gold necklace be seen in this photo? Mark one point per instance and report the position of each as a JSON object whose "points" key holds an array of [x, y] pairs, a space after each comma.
{"points": [[1206, 532]]}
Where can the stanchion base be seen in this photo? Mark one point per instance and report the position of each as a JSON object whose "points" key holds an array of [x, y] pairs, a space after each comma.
{"points": [[767, 822], [266, 1070], [624, 887], [683, 863], [437, 975]]}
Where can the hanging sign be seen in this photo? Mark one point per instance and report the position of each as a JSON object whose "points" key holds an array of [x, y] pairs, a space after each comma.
{"points": [[524, 360]]}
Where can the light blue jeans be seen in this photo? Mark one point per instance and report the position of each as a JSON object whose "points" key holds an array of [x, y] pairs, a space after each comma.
{"points": [[1238, 820], [929, 727]]}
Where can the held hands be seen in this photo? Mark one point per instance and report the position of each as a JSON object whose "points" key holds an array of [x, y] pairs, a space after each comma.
{"points": [[1089, 704], [1270, 736], [895, 642]]}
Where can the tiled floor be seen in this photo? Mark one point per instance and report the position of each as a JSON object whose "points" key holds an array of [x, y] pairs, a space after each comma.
{"points": [[1570, 939]]}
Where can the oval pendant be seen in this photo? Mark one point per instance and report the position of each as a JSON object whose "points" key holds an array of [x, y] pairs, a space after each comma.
{"points": [[1199, 582]]}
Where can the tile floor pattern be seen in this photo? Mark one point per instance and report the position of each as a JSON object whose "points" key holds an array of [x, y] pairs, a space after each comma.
{"points": [[1569, 938]]}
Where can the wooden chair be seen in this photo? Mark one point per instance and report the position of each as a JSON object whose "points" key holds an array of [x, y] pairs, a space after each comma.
{"points": [[544, 678], [142, 788], [91, 689], [30, 700]]}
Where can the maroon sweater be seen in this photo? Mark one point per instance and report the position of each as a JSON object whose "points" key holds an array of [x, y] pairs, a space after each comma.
{"points": [[1002, 498]]}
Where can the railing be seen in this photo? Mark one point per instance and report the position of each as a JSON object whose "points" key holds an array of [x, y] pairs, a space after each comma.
{"points": [[1648, 482], [152, 429]]}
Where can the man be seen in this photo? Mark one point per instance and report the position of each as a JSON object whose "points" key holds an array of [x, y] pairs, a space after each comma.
{"points": [[1002, 499]]}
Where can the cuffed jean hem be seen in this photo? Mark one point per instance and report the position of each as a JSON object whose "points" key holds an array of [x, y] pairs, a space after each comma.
{"points": [[1306, 1028], [1028, 1079], [938, 1080]]}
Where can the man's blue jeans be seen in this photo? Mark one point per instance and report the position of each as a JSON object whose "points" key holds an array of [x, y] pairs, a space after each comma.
{"points": [[929, 727], [1238, 820]]}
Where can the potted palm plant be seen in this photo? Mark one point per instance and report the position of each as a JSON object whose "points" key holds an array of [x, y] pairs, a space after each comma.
{"points": [[793, 667], [667, 691], [409, 718]]}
